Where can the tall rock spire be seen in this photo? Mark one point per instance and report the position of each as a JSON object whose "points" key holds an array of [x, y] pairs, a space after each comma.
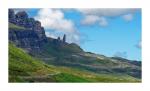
{"points": [[58, 38], [64, 38], [11, 16]]}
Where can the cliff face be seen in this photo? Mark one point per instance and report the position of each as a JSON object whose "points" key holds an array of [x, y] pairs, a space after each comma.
{"points": [[25, 32]]}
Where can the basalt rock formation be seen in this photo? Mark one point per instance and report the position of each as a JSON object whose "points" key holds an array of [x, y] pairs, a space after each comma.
{"points": [[25, 32]]}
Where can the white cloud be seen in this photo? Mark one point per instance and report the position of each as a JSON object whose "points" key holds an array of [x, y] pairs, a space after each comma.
{"points": [[110, 12], [128, 17], [139, 45], [103, 21], [75, 38], [92, 19], [102, 14], [54, 19], [48, 34]]}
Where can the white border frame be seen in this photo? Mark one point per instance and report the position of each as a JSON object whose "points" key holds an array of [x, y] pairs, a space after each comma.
{"points": [[5, 4]]}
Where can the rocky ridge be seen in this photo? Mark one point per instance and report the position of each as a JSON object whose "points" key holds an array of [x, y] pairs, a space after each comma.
{"points": [[33, 39]]}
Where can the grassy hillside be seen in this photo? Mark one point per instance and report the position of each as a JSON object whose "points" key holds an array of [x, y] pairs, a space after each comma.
{"points": [[13, 26], [16, 27], [24, 68], [71, 55], [21, 64]]}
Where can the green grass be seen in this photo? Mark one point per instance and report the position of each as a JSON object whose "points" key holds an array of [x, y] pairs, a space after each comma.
{"points": [[21, 64], [65, 77], [24, 68], [16, 27], [94, 77]]}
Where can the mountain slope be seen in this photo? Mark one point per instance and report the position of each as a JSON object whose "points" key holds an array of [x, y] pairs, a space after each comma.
{"points": [[62, 55], [24, 68], [21, 64], [33, 57]]}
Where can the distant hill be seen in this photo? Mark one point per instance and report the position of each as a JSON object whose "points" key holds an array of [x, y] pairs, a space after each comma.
{"points": [[25, 68], [33, 57]]}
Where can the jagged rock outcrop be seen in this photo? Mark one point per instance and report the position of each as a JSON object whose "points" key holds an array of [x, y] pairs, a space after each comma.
{"points": [[58, 39], [21, 18], [64, 38], [60, 42], [28, 33], [11, 16], [31, 35]]}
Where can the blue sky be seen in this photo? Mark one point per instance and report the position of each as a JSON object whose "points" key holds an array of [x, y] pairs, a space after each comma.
{"points": [[111, 32]]}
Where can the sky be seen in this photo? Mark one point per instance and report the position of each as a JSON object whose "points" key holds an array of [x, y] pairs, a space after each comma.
{"points": [[106, 31]]}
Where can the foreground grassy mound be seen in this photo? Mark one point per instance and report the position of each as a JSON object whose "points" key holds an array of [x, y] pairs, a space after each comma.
{"points": [[24, 68], [21, 64]]}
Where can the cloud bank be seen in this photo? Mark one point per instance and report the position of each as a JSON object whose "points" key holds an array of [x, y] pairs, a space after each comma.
{"points": [[92, 19], [53, 19], [100, 16]]}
